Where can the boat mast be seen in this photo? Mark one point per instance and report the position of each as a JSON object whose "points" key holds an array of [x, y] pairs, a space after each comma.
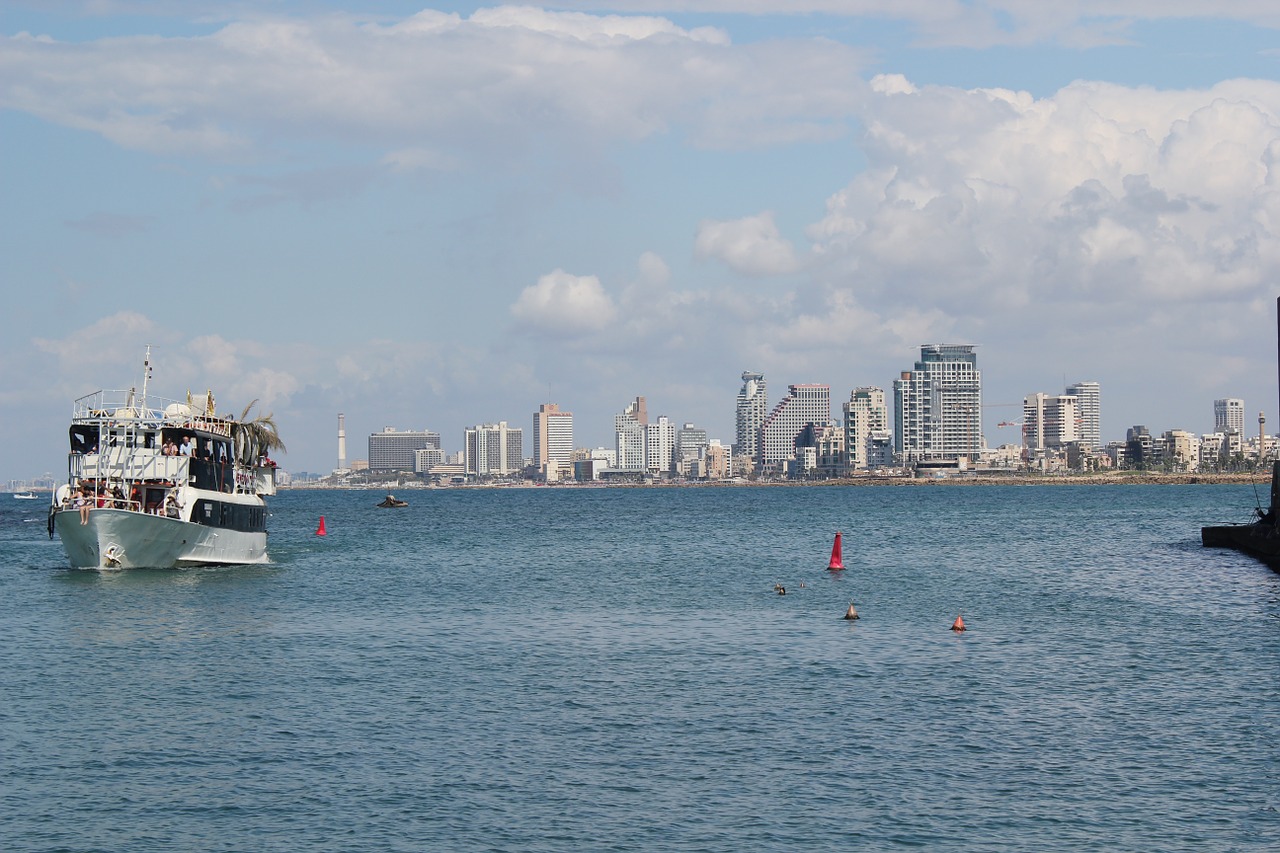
{"points": [[146, 375]]}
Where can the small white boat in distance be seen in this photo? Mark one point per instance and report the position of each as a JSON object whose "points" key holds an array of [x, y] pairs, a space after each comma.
{"points": [[162, 484], [24, 496]]}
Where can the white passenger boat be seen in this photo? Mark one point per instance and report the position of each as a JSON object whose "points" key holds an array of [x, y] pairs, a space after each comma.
{"points": [[159, 483]]}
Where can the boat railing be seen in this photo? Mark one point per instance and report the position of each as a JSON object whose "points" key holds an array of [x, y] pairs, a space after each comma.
{"points": [[123, 463], [128, 465], [117, 405]]}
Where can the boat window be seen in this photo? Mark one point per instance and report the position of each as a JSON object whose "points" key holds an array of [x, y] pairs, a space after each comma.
{"points": [[84, 439]]}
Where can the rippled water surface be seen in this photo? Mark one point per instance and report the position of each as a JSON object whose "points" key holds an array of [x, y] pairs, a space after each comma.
{"points": [[611, 669]]}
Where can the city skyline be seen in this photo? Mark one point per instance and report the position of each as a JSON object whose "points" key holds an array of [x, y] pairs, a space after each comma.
{"points": [[1048, 421], [449, 212]]}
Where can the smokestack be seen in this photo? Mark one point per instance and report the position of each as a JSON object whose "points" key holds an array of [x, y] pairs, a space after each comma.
{"points": [[342, 441]]}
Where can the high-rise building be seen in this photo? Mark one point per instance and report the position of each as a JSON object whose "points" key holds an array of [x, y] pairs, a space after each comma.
{"points": [[1049, 423], [804, 406], [660, 445], [1089, 410], [493, 449], [392, 450], [629, 436], [691, 444], [553, 442], [938, 405], [866, 425], [1228, 414], [752, 408]]}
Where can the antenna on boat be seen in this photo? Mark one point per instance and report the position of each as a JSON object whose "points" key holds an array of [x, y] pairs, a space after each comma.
{"points": [[146, 376]]}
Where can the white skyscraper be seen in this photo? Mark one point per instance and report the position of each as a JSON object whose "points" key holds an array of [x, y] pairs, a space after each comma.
{"points": [[752, 408], [493, 449], [660, 445], [553, 442], [1228, 414], [804, 406], [1089, 409], [938, 405]]}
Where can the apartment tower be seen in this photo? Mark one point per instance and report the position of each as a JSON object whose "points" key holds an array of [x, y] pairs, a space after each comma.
{"points": [[752, 408], [1089, 409]]}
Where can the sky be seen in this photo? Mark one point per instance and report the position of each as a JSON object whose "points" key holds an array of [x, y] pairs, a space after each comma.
{"points": [[435, 215]]}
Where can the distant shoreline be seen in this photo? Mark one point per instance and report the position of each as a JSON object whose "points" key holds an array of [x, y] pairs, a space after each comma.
{"points": [[1134, 478]]}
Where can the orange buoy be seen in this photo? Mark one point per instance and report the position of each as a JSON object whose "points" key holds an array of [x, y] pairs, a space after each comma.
{"points": [[958, 625], [320, 529], [836, 562], [851, 613]]}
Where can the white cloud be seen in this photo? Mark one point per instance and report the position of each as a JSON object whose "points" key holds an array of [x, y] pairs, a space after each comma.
{"points": [[985, 200], [1072, 23], [565, 304], [752, 245], [434, 89]]}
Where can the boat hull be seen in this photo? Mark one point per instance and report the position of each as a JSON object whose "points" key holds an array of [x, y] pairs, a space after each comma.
{"points": [[121, 539]]}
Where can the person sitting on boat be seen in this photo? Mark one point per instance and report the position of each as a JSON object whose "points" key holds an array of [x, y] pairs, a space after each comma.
{"points": [[171, 506], [117, 497], [185, 449], [81, 502]]}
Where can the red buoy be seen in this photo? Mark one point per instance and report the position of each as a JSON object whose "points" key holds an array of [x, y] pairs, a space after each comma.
{"points": [[958, 625], [320, 529], [837, 562]]}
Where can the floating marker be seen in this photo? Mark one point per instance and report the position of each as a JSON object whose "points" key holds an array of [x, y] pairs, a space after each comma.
{"points": [[958, 625], [836, 562], [320, 529], [851, 613]]}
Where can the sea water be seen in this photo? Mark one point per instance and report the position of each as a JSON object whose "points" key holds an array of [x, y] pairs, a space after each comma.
{"points": [[612, 669]]}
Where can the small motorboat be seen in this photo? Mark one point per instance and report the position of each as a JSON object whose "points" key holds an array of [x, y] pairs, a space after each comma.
{"points": [[24, 496], [392, 501]]}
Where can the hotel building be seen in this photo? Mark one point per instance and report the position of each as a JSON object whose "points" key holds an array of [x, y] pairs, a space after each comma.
{"points": [[553, 442], [1049, 423], [938, 405], [804, 406], [393, 450], [1228, 414], [493, 449]]}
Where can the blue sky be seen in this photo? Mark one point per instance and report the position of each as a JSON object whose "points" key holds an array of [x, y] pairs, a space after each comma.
{"points": [[437, 215]]}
